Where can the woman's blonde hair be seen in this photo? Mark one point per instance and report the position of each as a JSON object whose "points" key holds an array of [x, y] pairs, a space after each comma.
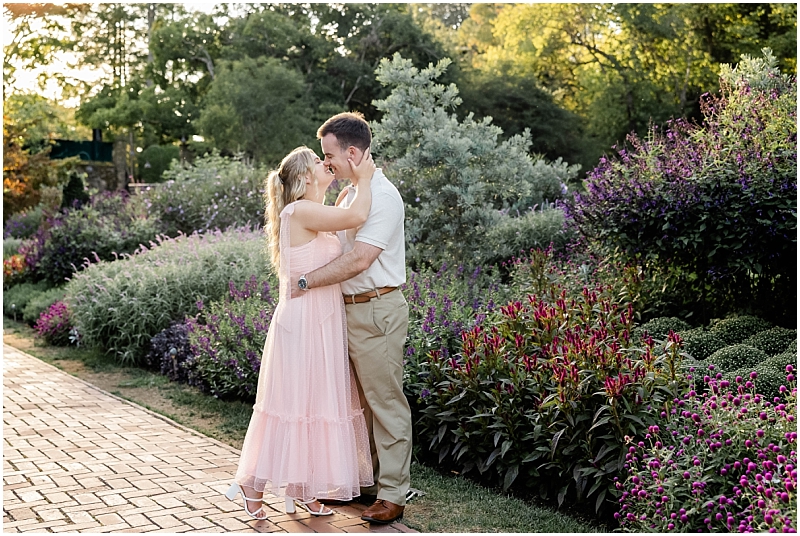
{"points": [[285, 185]]}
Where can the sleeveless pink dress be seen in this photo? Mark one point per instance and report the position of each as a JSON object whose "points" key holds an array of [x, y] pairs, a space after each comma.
{"points": [[307, 437]]}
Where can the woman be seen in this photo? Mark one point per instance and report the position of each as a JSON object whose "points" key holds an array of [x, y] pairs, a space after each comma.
{"points": [[307, 437]]}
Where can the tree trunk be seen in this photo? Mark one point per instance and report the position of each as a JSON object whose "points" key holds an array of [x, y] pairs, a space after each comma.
{"points": [[151, 18]]}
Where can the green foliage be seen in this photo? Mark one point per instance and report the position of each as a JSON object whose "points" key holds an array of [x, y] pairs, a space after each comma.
{"points": [[250, 102], [10, 247], [735, 357], [74, 192], [16, 298], [40, 303], [517, 103], [622, 66], [119, 306], [23, 224], [700, 344], [112, 225], [455, 177], [737, 329], [658, 328], [711, 208], [772, 341], [533, 229], [227, 350], [542, 391], [155, 160], [212, 193]]}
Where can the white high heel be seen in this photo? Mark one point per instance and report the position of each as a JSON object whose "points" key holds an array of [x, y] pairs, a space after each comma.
{"points": [[235, 490], [290, 509]]}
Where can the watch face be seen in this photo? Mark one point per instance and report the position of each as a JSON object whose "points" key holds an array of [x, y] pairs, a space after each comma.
{"points": [[303, 284]]}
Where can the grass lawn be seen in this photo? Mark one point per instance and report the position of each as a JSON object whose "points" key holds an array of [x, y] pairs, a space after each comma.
{"points": [[450, 504]]}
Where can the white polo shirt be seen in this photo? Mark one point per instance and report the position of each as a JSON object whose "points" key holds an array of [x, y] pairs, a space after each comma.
{"points": [[384, 228]]}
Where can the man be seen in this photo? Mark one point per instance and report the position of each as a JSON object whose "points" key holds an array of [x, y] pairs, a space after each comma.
{"points": [[370, 269]]}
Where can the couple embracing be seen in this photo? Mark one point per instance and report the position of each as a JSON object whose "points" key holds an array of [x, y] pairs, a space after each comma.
{"points": [[331, 422]]}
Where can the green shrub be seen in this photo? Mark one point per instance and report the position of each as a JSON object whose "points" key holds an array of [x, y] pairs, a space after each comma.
{"points": [[74, 191], [542, 391], [155, 160], [16, 298], [10, 247], [772, 341], [456, 177], [121, 305], [110, 225], [737, 329], [713, 204], [213, 193], [658, 328], [782, 360], [40, 303], [700, 344], [23, 224], [735, 357], [513, 235]]}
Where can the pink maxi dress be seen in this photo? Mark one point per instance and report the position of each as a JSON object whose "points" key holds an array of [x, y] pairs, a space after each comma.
{"points": [[307, 437]]}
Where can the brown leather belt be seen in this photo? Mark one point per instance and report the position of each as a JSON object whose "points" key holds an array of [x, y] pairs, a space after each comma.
{"points": [[367, 296]]}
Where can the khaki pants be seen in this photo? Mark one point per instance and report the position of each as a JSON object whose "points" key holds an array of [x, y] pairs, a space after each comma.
{"points": [[376, 335]]}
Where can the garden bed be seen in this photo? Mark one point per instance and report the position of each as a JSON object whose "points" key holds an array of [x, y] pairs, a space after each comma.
{"points": [[450, 504]]}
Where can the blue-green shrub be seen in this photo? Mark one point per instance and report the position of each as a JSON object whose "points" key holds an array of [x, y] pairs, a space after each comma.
{"points": [[457, 179], [119, 306], [40, 303]]}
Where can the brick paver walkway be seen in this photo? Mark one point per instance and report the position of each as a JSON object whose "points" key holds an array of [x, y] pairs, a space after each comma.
{"points": [[78, 459]]}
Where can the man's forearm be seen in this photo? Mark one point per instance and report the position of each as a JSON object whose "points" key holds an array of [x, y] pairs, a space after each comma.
{"points": [[340, 269]]}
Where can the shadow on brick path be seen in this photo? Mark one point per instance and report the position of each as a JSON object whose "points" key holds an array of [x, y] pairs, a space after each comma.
{"points": [[78, 459]]}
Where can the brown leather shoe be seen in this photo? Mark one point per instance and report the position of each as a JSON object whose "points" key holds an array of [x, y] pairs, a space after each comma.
{"points": [[383, 512]]}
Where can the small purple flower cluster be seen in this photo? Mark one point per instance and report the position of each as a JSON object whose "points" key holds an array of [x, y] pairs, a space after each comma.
{"points": [[54, 324], [716, 201], [442, 305], [725, 460], [227, 338]]}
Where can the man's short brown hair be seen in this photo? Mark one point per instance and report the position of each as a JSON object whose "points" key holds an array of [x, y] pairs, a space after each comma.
{"points": [[350, 128]]}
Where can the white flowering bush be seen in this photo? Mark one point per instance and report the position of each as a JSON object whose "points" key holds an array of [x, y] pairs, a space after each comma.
{"points": [[737, 329], [700, 344], [773, 341], [735, 357], [119, 306]]}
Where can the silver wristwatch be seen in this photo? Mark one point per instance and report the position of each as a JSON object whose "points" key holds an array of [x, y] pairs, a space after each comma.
{"points": [[303, 282]]}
